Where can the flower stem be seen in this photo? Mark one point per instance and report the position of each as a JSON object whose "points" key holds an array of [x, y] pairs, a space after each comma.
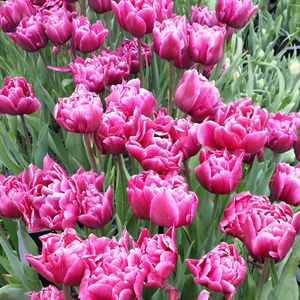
{"points": [[107, 25], [82, 6], [43, 57], [26, 134], [263, 278], [171, 78], [187, 173], [67, 292], [141, 61], [152, 229], [216, 207], [89, 151]]}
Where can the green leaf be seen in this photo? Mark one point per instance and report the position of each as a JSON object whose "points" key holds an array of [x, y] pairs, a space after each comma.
{"points": [[13, 292]]}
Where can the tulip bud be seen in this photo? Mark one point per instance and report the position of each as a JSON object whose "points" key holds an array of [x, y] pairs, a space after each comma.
{"points": [[100, 6], [224, 261], [219, 171], [30, 34], [135, 16], [86, 37], [170, 41], [12, 12], [235, 13], [79, 113], [197, 96], [206, 44], [57, 25], [285, 184], [17, 97]]}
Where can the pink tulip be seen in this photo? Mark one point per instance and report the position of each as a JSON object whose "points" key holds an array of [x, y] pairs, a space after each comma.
{"points": [[30, 34], [159, 256], [221, 270], [61, 260], [79, 113], [266, 237], [219, 171], [197, 96], [86, 37], [12, 190], [57, 25], [12, 13], [240, 125], [129, 50], [155, 145], [135, 16], [129, 96], [235, 13], [17, 97], [204, 295], [47, 293], [285, 183], [115, 129], [170, 41], [282, 131], [96, 207], [100, 6], [206, 44], [91, 72], [163, 9], [296, 147], [166, 201]]}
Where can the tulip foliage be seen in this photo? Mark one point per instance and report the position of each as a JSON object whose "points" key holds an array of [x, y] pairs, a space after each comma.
{"points": [[149, 150]]}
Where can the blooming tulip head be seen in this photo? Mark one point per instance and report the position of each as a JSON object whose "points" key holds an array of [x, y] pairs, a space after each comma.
{"points": [[203, 16], [57, 25], [135, 16], [206, 44], [130, 96], [239, 125], [170, 41], [61, 259], [221, 270], [129, 50], [49, 292], [100, 6], [79, 113], [166, 201], [296, 147], [17, 97], [30, 34], [96, 207], [86, 37], [282, 131], [235, 13], [13, 11], [219, 171], [197, 96], [285, 184]]}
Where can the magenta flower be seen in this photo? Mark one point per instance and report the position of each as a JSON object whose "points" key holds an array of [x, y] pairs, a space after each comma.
{"points": [[79, 113], [235, 13], [170, 41], [47, 293], [12, 13], [221, 270], [130, 96], [135, 16], [100, 6], [206, 44], [17, 97], [296, 147], [219, 171], [61, 255], [30, 34], [197, 96], [285, 183], [86, 37], [166, 201]]}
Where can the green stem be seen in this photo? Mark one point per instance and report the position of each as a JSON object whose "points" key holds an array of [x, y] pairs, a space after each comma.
{"points": [[216, 296], [107, 25], [171, 78], [89, 152], [141, 67], [200, 68], [152, 229], [43, 57], [67, 292], [82, 6], [123, 184], [273, 273], [263, 278], [187, 173], [275, 158], [26, 133], [216, 207]]}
